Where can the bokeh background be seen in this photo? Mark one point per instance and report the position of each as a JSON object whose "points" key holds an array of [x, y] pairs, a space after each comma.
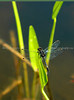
{"points": [[39, 14]]}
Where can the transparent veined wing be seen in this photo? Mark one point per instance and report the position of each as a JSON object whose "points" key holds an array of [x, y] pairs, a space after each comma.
{"points": [[54, 50], [56, 53], [54, 46], [27, 53], [27, 50]]}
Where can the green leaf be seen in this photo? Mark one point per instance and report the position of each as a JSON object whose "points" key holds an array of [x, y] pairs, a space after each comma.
{"points": [[56, 8], [19, 29], [42, 74], [33, 46], [50, 42], [46, 97], [35, 59], [21, 44]]}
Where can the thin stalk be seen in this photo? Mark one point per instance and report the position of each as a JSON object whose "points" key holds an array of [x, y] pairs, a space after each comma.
{"points": [[21, 45], [9, 88], [45, 95], [48, 54], [8, 47], [17, 64], [51, 41]]}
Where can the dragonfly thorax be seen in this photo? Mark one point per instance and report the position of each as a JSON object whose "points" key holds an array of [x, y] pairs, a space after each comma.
{"points": [[41, 52]]}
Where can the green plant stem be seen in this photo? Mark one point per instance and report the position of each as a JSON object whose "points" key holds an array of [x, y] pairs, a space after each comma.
{"points": [[49, 49], [51, 41], [45, 95], [21, 45]]}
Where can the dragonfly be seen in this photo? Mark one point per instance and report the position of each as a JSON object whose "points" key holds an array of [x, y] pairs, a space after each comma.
{"points": [[55, 51]]}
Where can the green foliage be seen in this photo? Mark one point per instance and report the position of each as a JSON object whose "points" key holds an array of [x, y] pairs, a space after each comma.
{"points": [[35, 59], [56, 8], [33, 46], [46, 97], [19, 29], [21, 44]]}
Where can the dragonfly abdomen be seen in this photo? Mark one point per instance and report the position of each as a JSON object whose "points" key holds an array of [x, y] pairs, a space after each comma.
{"points": [[44, 63]]}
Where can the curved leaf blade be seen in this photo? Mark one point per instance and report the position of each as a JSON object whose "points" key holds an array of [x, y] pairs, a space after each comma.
{"points": [[56, 8], [36, 61], [33, 46]]}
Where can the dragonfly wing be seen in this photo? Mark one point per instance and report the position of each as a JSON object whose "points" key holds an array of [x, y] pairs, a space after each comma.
{"points": [[27, 51], [56, 53], [54, 46]]}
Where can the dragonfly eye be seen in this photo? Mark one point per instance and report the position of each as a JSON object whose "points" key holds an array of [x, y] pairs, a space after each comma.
{"points": [[39, 49]]}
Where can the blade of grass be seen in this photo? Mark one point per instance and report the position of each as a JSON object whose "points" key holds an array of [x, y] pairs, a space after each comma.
{"points": [[46, 97], [51, 41], [56, 9], [37, 61], [33, 46], [21, 45]]}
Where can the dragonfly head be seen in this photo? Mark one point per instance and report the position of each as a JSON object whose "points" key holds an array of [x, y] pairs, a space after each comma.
{"points": [[39, 49]]}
